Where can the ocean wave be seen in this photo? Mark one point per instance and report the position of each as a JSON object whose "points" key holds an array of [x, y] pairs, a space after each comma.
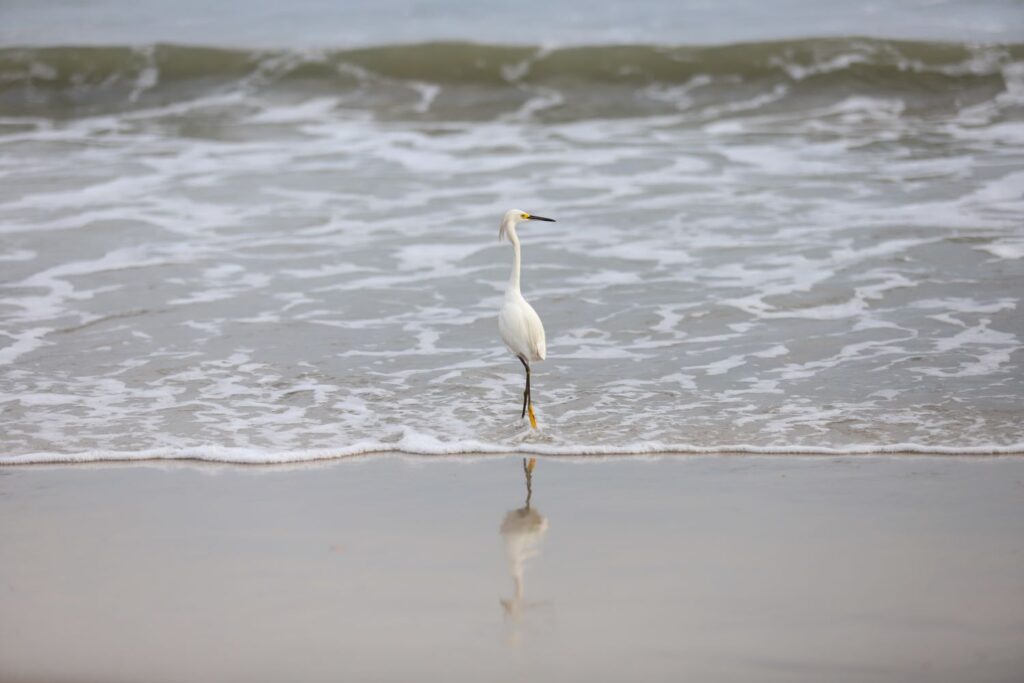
{"points": [[475, 81]]}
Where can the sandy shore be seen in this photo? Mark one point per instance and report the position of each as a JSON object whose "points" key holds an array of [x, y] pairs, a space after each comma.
{"points": [[405, 569]]}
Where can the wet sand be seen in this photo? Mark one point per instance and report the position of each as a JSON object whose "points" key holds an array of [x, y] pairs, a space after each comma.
{"points": [[426, 569]]}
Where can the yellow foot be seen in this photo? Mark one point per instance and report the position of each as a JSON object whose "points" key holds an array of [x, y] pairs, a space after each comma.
{"points": [[533, 418]]}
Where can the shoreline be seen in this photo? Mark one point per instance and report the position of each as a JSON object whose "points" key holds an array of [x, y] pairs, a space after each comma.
{"points": [[257, 456]]}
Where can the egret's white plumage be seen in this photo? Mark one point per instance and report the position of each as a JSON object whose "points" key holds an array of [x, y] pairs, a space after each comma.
{"points": [[519, 325], [521, 328]]}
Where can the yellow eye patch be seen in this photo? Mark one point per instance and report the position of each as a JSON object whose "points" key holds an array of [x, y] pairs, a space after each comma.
{"points": [[526, 215]]}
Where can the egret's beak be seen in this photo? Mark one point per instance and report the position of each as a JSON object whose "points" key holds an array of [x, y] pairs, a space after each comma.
{"points": [[531, 217]]}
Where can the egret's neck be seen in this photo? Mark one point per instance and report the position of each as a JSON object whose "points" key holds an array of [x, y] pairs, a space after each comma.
{"points": [[513, 280]]}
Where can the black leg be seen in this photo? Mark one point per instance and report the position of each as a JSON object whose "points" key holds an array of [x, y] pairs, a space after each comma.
{"points": [[526, 393], [529, 394]]}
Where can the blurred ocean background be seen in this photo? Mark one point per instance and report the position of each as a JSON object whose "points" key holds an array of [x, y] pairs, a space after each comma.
{"points": [[267, 231]]}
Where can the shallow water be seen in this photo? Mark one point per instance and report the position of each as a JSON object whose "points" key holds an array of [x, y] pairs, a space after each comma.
{"points": [[267, 255]]}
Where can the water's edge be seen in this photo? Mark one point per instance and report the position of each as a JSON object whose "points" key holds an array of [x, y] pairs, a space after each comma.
{"points": [[246, 456]]}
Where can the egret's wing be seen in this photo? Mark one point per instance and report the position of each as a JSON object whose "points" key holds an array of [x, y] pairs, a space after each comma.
{"points": [[507, 329], [535, 333], [522, 331]]}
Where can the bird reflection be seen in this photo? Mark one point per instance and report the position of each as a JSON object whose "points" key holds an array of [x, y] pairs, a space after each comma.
{"points": [[522, 530]]}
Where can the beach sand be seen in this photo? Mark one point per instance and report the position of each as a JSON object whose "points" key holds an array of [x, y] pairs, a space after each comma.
{"points": [[390, 568]]}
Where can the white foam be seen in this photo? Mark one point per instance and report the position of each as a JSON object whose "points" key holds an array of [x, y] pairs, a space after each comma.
{"points": [[18, 255], [315, 109], [25, 342], [796, 282], [420, 445], [1005, 249], [839, 62]]}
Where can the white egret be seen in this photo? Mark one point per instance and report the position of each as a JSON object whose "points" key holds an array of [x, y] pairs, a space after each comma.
{"points": [[519, 325]]}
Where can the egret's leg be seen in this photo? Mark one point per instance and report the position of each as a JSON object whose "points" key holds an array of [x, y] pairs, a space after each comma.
{"points": [[529, 400], [526, 392]]}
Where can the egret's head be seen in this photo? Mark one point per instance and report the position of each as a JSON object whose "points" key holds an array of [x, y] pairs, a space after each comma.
{"points": [[514, 217]]}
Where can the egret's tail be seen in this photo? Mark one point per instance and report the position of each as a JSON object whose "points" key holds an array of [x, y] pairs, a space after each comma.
{"points": [[533, 418]]}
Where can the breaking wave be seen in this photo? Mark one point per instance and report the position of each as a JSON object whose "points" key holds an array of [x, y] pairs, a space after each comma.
{"points": [[481, 82]]}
